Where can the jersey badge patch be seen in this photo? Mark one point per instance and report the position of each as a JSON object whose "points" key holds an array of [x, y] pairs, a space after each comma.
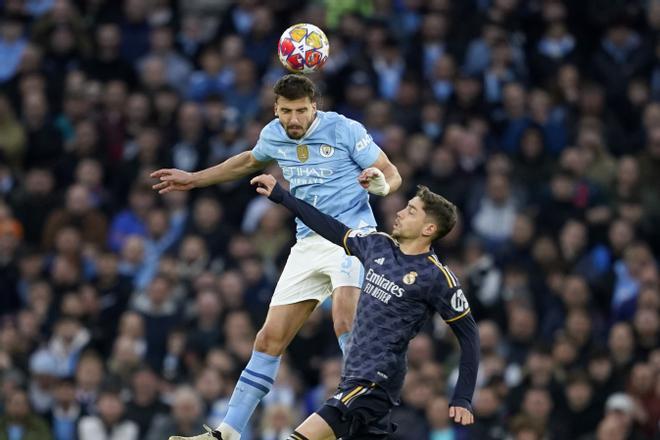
{"points": [[326, 150], [410, 278], [459, 302], [303, 153]]}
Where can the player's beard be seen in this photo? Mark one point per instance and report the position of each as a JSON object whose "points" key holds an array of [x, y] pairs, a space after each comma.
{"points": [[299, 129]]}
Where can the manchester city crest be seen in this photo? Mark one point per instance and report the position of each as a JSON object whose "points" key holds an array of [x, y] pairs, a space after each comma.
{"points": [[303, 153], [326, 150], [410, 277]]}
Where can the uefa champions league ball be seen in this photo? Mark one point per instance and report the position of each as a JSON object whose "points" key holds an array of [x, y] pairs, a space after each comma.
{"points": [[303, 48]]}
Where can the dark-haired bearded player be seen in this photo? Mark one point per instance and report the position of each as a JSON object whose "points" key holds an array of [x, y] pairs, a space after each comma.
{"points": [[332, 162]]}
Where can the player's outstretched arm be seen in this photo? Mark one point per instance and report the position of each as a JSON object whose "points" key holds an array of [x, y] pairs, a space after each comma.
{"points": [[323, 224], [467, 333], [241, 165]]}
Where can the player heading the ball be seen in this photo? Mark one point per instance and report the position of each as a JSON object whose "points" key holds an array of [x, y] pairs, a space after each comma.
{"points": [[332, 162]]}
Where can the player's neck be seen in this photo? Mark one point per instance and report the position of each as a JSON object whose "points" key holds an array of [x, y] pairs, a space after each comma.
{"points": [[414, 246]]}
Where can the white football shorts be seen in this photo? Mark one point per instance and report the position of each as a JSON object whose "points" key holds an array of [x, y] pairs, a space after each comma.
{"points": [[314, 269]]}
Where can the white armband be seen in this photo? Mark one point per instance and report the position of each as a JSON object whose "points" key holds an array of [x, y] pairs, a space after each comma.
{"points": [[377, 184]]}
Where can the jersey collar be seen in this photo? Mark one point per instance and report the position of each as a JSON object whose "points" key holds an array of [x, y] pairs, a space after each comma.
{"points": [[430, 253]]}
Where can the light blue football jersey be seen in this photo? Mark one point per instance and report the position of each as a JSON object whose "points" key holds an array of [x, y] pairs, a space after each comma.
{"points": [[322, 167]]}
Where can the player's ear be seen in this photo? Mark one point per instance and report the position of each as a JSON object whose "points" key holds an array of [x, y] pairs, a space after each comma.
{"points": [[275, 109], [429, 230], [314, 105]]}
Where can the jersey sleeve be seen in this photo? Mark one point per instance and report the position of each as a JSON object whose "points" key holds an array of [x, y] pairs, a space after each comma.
{"points": [[449, 300], [447, 296], [360, 144], [261, 151], [357, 243], [361, 244]]}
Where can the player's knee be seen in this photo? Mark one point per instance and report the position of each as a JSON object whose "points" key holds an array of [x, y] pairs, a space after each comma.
{"points": [[343, 310], [342, 323], [269, 342]]}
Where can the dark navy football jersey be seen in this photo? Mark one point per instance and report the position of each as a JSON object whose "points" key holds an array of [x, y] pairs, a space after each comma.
{"points": [[400, 292]]}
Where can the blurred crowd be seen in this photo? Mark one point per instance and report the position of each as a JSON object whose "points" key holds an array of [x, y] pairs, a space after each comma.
{"points": [[126, 315]]}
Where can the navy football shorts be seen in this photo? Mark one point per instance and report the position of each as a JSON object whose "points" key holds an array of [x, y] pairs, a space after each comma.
{"points": [[359, 410]]}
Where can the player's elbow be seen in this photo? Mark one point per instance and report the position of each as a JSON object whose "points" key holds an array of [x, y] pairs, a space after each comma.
{"points": [[342, 324], [251, 163], [392, 176], [471, 342], [467, 333]]}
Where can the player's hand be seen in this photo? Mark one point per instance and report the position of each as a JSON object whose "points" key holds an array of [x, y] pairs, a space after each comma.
{"points": [[461, 415], [366, 176], [172, 179], [265, 184], [373, 180]]}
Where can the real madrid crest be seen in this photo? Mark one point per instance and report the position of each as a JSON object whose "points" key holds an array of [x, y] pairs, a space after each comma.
{"points": [[303, 153], [326, 150], [410, 277]]}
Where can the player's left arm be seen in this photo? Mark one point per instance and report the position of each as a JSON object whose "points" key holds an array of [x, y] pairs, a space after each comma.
{"points": [[382, 177], [466, 331], [448, 299]]}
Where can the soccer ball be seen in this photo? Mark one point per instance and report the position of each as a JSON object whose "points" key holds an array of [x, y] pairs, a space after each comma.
{"points": [[303, 48]]}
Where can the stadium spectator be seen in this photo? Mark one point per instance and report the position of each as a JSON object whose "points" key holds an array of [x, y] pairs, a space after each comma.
{"points": [[489, 423], [186, 415], [19, 421], [623, 409], [66, 412], [110, 423], [79, 212], [12, 45], [145, 403]]}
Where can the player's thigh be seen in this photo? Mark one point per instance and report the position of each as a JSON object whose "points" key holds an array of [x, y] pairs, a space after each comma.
{"points": [[346, 274], [343, 270], [303, 277], [315, 428], [281, 326]]}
